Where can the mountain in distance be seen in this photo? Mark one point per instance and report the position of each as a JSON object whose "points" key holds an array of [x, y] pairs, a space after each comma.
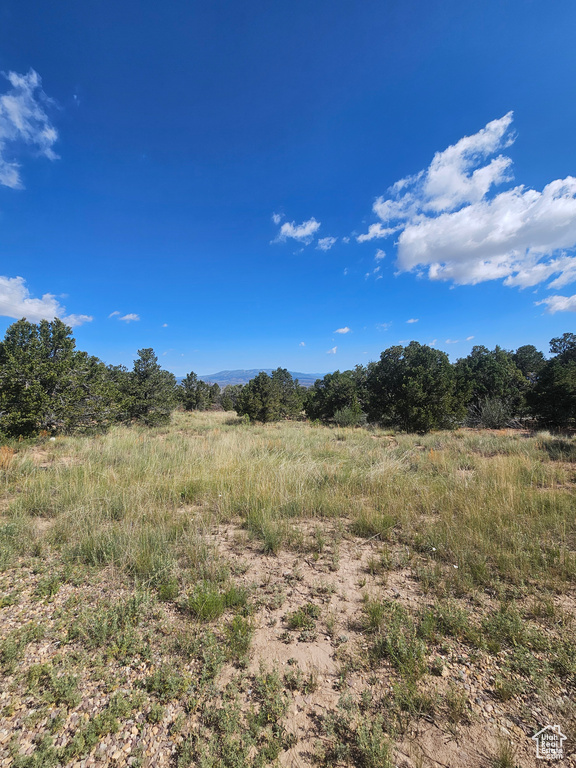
{"points": [[241, 376]]}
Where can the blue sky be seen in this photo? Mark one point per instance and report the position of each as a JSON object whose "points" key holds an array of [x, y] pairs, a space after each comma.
{"points": [[297, 184]]}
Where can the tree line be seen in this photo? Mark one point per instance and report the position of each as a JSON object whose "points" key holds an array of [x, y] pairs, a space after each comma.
{"points": [[48, 386]]}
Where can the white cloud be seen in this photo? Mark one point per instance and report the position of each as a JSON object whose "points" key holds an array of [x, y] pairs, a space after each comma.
{"points": [[380, 254], [452, 341], [375, 231], [130, 318], [342, 330], [332, 351], [383, 326], [373, 272], [277, 218], [345, 239], [346, 270], [75, 320], [23, 120], [469, 338], [113, 314], [302, 344], [325, 243], [303, 233], [16, 302], [453, 227], [412, 320], [164, 325], [559, 304]]}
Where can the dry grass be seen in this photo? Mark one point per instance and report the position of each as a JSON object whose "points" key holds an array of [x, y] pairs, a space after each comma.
{"points": [[466, 544]]}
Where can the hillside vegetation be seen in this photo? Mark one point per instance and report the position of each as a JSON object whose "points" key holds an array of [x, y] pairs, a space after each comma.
{"points": [[49, 387], [218, 593]]}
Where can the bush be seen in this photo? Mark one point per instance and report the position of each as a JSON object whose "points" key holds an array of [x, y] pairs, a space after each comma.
{"points": [[490, 413], [349, 416]]}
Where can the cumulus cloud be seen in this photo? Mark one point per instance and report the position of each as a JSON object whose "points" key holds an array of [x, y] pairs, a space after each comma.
{"points": [[302, 344], [373, 273], [277, 218], [332, 351], [75, 320], [454, 226], [559, 304], [412, 320], [325, 243], [342, 330], [24, 121], [375, 231], [132, 317], [16, 302], [303, 233], [379, 255]]}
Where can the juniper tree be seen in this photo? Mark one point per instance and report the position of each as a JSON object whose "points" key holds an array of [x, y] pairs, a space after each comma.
{"points": [[413, 388], [153, 390]]}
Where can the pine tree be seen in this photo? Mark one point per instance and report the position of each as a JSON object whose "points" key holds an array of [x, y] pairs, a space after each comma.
{"points": [[153, 390]]}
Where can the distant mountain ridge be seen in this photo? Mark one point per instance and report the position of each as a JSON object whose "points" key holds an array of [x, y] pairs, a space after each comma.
{"points": [[242, 376]]}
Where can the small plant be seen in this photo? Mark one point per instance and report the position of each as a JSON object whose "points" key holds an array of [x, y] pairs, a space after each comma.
{"points": [[456, 703], [396, 639], [446, 620], [168, 590], [296, 680], [44, 756], [112, 627], [6, 457], [208, 602], [505, 756], [48, 587], [371, 524], [304, 618], [238, 635], [506, 688], [376, 566], [167, 683], [155, 714], [57, 689], [13, 646]]}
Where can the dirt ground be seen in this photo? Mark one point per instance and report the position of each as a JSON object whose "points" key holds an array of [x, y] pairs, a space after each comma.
{"points": [[337, 579]]}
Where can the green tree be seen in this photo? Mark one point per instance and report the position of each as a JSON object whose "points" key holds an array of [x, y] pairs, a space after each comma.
{"points": [[93, 400], [46, 384], [412, 387], [487, 376], [23, 399], [259, 399], [338, 393], [230, 395], [196, 394], [270, 398], [529, 360], [553, 399], [564, 347], [153, 394], [289, 393]]}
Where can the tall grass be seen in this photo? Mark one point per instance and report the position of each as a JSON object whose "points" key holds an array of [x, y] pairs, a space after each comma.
{"points": [[499, 507]]}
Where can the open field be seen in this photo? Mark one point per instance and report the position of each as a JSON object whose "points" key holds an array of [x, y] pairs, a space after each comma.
{"points": [[220, 594]]}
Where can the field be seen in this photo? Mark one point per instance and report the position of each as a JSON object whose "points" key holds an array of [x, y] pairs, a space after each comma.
{"points": [[221, 594]]}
